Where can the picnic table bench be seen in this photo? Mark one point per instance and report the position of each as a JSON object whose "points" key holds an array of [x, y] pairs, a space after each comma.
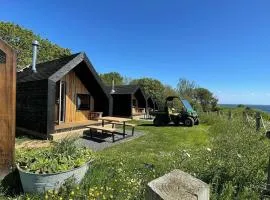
{"points": [[112, 130], [103, 129], [126, 124], [122, 121]]}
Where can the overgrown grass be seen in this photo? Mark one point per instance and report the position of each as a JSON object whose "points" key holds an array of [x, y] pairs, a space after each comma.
{"points": [[229, 155]]}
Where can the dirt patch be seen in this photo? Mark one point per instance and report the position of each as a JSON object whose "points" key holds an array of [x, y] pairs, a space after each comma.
{"points": [[33, 144]]}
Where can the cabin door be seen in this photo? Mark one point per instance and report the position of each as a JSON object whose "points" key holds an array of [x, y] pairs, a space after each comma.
{"points": [[60, 102]]}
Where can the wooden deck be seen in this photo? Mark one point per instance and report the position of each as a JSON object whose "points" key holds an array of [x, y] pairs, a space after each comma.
{"points": [[75, 125]]}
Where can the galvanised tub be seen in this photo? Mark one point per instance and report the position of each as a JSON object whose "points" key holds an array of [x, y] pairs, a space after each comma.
{"points": [[40, 183]]}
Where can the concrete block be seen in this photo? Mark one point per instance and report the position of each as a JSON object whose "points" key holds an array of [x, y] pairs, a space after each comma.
{"points": [[177, 185]]}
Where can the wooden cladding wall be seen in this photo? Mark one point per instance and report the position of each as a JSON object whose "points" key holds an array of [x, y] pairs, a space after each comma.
{"points": [[74, 86], [7, 108], [32, 105]]}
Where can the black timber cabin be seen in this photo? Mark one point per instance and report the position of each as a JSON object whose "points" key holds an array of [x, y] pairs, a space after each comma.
{"points": [[128, 100], [61, 94], [151, 104]]}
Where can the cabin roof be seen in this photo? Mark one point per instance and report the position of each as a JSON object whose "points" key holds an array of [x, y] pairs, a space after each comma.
{"points": [[123, 89], [45, 69], [56, 69]]}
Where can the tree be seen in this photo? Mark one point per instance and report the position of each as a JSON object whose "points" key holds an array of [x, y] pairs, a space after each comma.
{"points": [[151, 87], [200, 98], [21, 40], [205, 98], [185, 88], [169, 91], [107, 78]]}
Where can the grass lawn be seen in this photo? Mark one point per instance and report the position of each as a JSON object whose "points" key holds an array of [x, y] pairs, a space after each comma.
{"points": [[127, 167], [227, 154], [158, 140], [122, 171]]}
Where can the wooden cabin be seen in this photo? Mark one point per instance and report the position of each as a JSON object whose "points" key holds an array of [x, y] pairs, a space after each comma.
{"points": [[128, 100], [64, 94], [7, 108]]}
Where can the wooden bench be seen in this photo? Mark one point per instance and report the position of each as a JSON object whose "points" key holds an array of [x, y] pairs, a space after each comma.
{"points": [[126, 124], [103, 129]]}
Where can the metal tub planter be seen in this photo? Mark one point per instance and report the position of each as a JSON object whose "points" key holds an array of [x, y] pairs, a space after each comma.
{"points": [[39, 183]]}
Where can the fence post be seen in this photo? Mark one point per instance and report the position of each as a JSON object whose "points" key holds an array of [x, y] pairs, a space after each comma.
{"points": [[245, 116], [258, 121], [266, 191], [230, 114]]}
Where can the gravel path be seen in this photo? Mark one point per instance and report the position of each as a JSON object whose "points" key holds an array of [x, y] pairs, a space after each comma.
{"points": [[100, 142]]}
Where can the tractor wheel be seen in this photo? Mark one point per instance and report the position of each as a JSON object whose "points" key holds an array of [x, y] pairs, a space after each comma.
{"points": [[189, 122], [157, 122], [176, 121], [197, 122]]}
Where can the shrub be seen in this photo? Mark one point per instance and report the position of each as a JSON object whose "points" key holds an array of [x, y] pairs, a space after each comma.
{"points": [[60, 157], [235, 162]]}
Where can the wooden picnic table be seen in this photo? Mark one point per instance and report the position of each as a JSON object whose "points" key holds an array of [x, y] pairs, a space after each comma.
{"points": [[119, 120]]}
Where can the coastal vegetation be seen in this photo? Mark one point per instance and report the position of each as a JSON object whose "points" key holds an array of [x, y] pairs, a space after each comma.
{"points": [[227, 154]]}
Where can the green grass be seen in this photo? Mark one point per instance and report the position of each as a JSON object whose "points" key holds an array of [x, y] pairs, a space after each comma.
{"points": [[227, 154], [122, 171], [143, 159]]}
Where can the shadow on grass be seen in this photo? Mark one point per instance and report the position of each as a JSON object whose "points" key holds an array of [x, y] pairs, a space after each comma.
{"points": [[101, 137], [168, 125], [11, 184]]}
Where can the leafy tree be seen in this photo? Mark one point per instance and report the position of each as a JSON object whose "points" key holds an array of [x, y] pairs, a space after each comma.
{"points": [[169, 91], [21, 40], [200, 98], [107, 78], [151, 87], [186, 88], [205, 98]]}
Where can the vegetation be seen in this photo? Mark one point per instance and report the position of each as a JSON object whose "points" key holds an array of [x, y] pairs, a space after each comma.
{"points": [[200, 98], [21, 40], [151, 87], [107, 78], [227, 154], [60, 157]]}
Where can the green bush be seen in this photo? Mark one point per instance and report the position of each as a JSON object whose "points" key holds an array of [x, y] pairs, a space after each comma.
{"points": [[60, 157], [235, 162]]}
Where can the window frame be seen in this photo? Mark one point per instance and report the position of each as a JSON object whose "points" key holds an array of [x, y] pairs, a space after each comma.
{"points": [[89, 102]]}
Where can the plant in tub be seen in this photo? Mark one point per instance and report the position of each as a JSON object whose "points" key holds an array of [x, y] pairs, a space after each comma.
{"points": [[48, 168]]}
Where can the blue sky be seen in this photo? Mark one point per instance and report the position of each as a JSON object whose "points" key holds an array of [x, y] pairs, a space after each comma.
{"points": [[222, 45]]}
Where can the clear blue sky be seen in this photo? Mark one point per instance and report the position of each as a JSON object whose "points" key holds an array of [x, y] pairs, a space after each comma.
{"points": [[223, 45]]}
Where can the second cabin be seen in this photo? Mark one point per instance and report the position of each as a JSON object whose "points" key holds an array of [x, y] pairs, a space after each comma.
{"points": [[62, 95], [128, 101]]}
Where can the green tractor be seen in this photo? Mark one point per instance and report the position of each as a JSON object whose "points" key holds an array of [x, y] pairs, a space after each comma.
{"points": [[186, 115]]}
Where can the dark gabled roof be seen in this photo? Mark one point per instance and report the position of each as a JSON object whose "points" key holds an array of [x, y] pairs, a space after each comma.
{"points": [[45, 69], [56, 69], [123, 89]]}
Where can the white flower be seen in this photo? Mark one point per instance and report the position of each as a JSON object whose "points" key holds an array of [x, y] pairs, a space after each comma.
{"points": [[208, 149], [239, 155], [188, 155]]}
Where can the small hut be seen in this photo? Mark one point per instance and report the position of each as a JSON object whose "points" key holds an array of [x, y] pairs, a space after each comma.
{"points": [[60, 95], [128, 101]]}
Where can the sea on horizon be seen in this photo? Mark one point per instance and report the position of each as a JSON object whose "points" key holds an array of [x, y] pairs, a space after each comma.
{"points": [[265, 108]]}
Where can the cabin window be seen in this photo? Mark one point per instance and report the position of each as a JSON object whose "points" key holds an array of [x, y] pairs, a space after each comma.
{"points": [[2, 57], [83, 102]]}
